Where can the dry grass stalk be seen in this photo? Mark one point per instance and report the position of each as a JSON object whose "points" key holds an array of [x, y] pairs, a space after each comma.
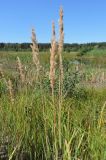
{"points": [[60, 49], [53, 34], [53, 52], [35, 51], [2, 76], [102, 77], [10, 89], [101, 120], [61, 42], [20, 69]]}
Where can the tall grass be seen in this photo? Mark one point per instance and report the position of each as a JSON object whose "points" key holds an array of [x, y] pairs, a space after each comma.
{"points": [[38, 125], [29, 126]]}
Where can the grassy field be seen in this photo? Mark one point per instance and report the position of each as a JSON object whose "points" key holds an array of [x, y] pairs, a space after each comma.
{"points": [[32, 124]]}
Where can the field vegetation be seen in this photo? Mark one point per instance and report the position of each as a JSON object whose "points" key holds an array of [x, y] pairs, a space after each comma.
{"points": [[53, 102]]}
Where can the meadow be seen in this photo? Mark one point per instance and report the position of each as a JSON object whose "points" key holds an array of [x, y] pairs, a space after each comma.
{"points": [[52, 108], [27, 126]]}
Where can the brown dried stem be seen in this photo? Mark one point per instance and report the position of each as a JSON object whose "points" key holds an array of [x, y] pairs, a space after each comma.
{"points": [[60, 49], [20, 69], [35, 51], [10, 90], [53, 52]]}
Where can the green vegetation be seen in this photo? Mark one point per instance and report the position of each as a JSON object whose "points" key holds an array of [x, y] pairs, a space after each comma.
{"points": [[30, 125], [53, 105], [43, 47], [97, 52]]}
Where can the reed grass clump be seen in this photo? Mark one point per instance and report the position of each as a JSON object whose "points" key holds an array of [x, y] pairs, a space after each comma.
{"points": [[42, 126]]}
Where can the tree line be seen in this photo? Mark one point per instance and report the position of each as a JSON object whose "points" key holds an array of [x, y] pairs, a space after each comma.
{"points": [[46, 46]]}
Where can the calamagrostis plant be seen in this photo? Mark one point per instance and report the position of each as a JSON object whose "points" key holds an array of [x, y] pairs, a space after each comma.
{"points": [[60, 45], [60, 49], [10, 90], [35, 51], [20, 69], [53, 52]]}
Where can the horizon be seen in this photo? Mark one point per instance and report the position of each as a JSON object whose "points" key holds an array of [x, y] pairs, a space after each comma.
{"points": [[83, 21], [50, 43]]}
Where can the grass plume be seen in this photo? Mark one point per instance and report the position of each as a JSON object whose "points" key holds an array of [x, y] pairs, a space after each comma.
{"points": [[35, 51], [53, 52]]}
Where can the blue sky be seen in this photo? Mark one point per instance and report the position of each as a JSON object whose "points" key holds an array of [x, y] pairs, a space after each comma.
{"points": [[84, 20]]}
